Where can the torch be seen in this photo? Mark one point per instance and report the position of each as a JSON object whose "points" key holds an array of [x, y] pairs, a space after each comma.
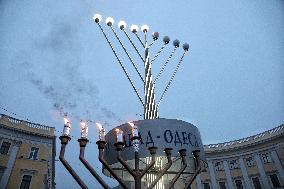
{"points": [[135, 136], [67, 126]]}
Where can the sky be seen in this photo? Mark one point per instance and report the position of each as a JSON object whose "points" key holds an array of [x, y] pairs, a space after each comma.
{"points": [[54, 59]]}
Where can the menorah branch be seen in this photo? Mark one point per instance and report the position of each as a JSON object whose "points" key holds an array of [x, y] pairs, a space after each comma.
{"points": [[128, 55], [64, 142], [182, 153], [121, 64], [166, 63], [133, 44], [198, 168], [83, 142], [158, 53], [139, 39], [101, 147], [152, 151], [119, 147], [168, 152], [168, 85]]}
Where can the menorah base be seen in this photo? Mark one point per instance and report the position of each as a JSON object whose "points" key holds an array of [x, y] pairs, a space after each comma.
{"points": [[165, 134]]}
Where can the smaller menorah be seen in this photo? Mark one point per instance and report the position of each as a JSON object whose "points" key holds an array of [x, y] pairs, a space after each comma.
{"points": [[136, 172], [149, 103]]}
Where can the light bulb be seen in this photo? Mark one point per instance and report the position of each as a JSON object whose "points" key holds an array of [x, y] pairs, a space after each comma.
{"points": [[134, 28], [176, 43], [185, 46], [121, 24], [155, 35], [144, 28], [166, 39], [97, 18], [109, 21]]}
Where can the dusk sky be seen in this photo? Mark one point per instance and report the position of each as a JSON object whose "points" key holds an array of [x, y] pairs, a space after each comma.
{"points": [[54, 59]]}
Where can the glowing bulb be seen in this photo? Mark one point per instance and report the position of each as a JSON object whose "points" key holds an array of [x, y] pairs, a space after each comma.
{"points": [[121, 24], [109, 21], [97, 18], [144, 28], [134, 28]]}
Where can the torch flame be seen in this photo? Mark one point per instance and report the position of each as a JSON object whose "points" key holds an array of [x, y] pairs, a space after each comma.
{"points": [[117, 130], [83, 123], [99, 126], [131, 124], [66, 121]]}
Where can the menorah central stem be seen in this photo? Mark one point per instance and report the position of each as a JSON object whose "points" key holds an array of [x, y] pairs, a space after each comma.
{"points": [[150, 108]]}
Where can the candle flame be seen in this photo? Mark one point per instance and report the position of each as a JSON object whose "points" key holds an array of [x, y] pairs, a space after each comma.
{"points": [[99, 126], [83, 123], [66, 121], [131, 124]]}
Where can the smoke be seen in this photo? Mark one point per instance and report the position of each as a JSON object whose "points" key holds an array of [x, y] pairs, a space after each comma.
{"points": [[55, 70]]}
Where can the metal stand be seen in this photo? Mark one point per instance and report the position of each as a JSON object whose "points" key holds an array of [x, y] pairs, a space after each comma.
{"points": [[136, 173]]}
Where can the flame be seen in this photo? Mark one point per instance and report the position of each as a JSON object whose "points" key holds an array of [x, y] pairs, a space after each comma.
{"points": [[66, 121], [99, 126], [117, 130], [131, 124], [83, 123]]}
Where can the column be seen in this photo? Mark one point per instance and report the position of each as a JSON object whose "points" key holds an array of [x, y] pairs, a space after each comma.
{"points": [[228, 175], [261, 170], [10, 164], [278, 165], [212, 175], [198, 182], [245, 173]]}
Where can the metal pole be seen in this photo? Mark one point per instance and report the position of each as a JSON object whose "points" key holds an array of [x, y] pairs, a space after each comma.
{"points": [[196, 154], [182, 153], [168, 152], [83, 142], [101, 146], [64, 142], [137, 171]]}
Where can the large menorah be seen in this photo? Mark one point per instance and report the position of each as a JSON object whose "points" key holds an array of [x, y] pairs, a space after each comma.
{"points": [[181, 143], [149, 103]]}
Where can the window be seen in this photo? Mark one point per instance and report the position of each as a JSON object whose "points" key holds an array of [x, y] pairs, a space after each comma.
{"points": [[275, 181], [218, 166], [206, 185], [222, 185], [33, 153], [239, 184], [26, 181], [266, 158], [250, 162], [234, 164], [5, 147], [256, 183]]}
